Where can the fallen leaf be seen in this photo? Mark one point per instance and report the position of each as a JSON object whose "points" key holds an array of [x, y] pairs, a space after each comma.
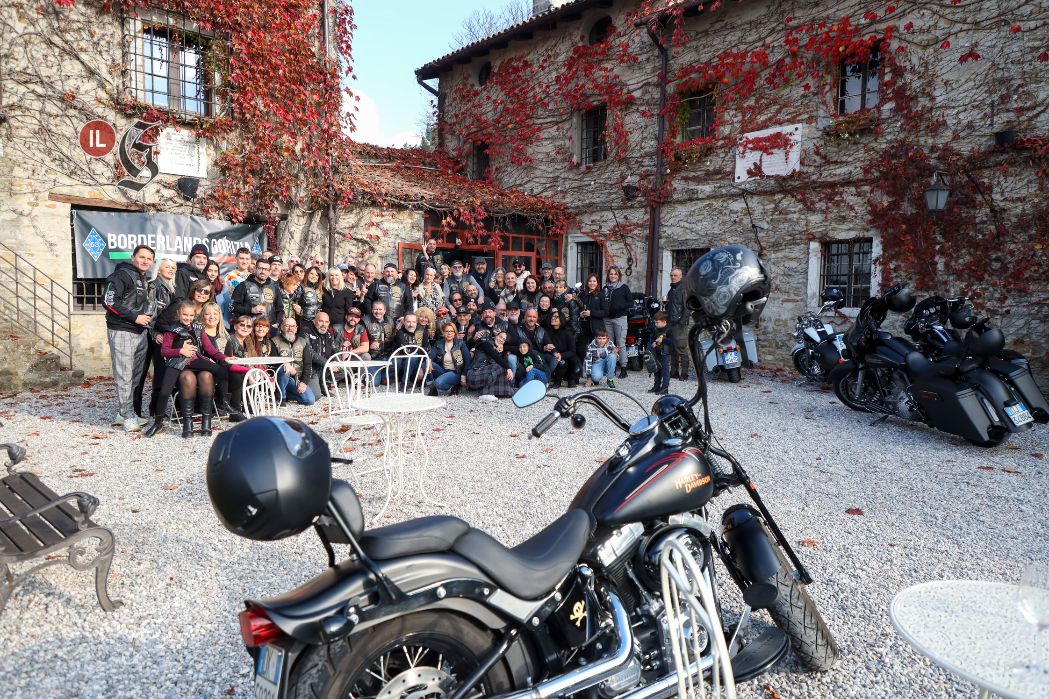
{"points": [[754, 435], [808, 543], [770, 692], [99, 435], [342, 428], [854, 511], [168, 487], [1011, 469], [520, 456], [135, 510], [808, 416], [985, 468], [819, 458], [1037, 454], [549, 450], [437, 429], [765, 391], [45, 417], [1012, 446], [83, 474], [515, 434]]}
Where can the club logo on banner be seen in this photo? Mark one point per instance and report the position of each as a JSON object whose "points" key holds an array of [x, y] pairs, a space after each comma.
{"points": [[94, 244]]}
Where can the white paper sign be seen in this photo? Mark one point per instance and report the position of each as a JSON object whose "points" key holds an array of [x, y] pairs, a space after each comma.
{"points": [[182, 153], [754, 148]]}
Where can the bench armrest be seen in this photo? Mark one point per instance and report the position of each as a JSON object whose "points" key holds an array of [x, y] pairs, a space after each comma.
{"points": [[15, 453], [85, 503]]}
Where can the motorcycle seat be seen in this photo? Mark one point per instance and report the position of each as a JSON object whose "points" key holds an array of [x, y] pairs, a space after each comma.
{"points": [[423, 535], [919, 366], [530, 569]]}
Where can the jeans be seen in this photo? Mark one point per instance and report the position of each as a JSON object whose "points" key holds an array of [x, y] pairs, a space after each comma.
{"points": [[616, 328], [603, 368], [444, 380], [533, 374], [287, 385]]}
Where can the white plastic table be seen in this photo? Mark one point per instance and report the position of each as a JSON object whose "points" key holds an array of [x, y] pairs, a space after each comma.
{"points": [[403, 416], [975, 630]]}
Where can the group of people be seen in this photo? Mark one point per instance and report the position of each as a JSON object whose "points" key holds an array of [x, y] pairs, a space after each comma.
{"points": [[486, 330]]}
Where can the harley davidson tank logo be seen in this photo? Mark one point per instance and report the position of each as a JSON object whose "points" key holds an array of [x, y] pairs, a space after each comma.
{"points": [[691, 482], [578, 613]]}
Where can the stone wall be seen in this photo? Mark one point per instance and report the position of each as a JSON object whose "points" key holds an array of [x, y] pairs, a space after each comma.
{"points": [[706, 208]]}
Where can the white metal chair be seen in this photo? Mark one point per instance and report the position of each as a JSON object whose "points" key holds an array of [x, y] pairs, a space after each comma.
{"points": [[260, 393], [350, 383], [408, 369]]}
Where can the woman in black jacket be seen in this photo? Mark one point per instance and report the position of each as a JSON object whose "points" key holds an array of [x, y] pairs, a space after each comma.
{"points": [[336, 300], [161, 294], [619, 303], [594, 305], [564, 341], [490, 370]]}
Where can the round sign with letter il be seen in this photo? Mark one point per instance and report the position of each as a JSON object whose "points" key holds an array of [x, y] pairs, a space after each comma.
{"points": [[98, 138]]}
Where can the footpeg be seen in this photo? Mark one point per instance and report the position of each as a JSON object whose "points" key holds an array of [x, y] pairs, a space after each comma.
{"points": [[760, 654]]}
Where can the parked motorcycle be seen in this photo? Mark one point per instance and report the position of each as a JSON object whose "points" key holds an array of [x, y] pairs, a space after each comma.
{"points": [[935, 326], [729, 348], [887, 375], [639, 329], [616, 598], [819, 348]]}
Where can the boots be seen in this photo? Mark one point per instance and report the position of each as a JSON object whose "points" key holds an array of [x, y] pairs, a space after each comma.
{"points": [[232, 413], [187, 417], [158, 424], [205, 416], [622, 371]]}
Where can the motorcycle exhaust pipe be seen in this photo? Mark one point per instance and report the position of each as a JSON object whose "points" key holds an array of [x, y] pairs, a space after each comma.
{"points": [[588, 675], [667, 685]]}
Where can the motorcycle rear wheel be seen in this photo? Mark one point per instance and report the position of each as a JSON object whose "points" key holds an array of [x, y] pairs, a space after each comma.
{"points": [[733, 375], [796, 614], [424, 654]]}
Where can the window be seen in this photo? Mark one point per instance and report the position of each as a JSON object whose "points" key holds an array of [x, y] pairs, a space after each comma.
{"points": [[697, 115], [175, 67], [858, 84], [484, 73], [600, 30], [593, 135], [685, 257], [588, 260], [847, 266], [480, 162]]}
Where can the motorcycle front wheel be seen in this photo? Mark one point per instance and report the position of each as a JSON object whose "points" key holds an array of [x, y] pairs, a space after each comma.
{"points": [[419, 655], [796, 614], [845, 388], [807, 364]]}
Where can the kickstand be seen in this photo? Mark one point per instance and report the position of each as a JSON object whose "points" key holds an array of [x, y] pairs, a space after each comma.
{"points": [[880, 420]]}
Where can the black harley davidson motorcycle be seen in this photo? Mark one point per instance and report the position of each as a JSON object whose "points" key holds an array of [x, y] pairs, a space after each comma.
{"points": [[889, 376], [819, 348], [935, 326], [616, 598]]}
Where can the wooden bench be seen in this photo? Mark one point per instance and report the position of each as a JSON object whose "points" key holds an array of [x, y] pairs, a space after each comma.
{"points": [[37, 524]]}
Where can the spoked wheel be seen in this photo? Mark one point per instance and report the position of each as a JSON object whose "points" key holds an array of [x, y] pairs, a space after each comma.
{"points": [[848, 390], [421, 656], [808, 365]]}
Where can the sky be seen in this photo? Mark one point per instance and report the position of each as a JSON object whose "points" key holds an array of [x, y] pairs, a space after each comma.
{"points": [[393, 38]]}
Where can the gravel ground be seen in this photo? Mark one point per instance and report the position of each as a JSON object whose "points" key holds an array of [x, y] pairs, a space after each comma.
{"points": [[932, 507]]}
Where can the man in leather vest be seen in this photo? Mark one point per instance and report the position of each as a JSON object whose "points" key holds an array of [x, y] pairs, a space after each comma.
{"points": [[293, 378], [680, 321], [486, 327], [127, 316], [457, 282], [323, 344], [410, 334], [191, 270], [380, 331], [259, 296], [393, 293], [429, 257]]}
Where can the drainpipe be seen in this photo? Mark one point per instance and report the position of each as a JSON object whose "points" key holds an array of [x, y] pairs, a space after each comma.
{"points": [[655, 208]]}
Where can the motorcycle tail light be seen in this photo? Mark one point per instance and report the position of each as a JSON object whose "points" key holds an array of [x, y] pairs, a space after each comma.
{"points": [[256, 629]]}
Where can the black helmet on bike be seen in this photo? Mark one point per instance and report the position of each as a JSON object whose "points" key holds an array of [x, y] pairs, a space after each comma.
{"points": [[900, 301], [963, 317], [728, 283], [269, 478]]}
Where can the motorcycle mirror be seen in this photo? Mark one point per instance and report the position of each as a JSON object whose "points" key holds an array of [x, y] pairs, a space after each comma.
{"points": [[529, 394]]}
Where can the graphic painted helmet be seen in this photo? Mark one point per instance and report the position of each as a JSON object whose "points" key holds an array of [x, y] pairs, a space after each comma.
{"points": [[728, 283]]}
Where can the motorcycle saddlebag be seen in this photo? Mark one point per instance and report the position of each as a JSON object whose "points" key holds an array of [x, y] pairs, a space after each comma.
{"points": [[1019, 375], [954, 409]]}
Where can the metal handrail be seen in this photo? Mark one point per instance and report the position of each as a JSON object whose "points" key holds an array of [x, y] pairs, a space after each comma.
{"points": [[36, 303]]}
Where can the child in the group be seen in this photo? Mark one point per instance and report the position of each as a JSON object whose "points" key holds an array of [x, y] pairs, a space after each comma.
{"points": [[530, 364], [661, 347], [601, 358]]}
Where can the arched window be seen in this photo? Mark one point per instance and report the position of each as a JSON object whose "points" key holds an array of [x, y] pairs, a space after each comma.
{"points": [[600, 30], [484, 73]]}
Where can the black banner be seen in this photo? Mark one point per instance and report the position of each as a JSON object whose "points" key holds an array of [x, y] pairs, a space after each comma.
{"points": [[103, 239]]}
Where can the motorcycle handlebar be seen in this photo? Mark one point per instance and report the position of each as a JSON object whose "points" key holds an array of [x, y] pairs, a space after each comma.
{"points": [[545, 424]]}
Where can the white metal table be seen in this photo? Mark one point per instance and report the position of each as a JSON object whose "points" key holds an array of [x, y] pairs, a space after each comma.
{"points": [[975, 630], [403, 416], [259, 361]]}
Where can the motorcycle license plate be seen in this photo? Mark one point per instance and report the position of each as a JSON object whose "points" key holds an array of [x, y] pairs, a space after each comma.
{"points": [[732, 359], [268, 671], [839, 342], [631, 350], [1019, 414]]}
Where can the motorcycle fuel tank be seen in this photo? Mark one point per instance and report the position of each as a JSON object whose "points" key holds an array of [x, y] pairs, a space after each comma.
{"points": [[662, 483]]}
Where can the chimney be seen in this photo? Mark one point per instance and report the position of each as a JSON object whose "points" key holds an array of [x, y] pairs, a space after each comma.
{"points": [[540, 6]]}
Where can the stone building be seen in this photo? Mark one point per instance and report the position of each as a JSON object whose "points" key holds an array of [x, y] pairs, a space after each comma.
{"points": [[63, 66], [667, 128]]}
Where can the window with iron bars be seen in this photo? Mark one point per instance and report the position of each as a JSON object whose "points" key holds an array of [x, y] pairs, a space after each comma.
{"points": [[847, 266], [589, 260], [697, 115], [592, 125], [175, 66], [686, 257], [858, 84]]}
